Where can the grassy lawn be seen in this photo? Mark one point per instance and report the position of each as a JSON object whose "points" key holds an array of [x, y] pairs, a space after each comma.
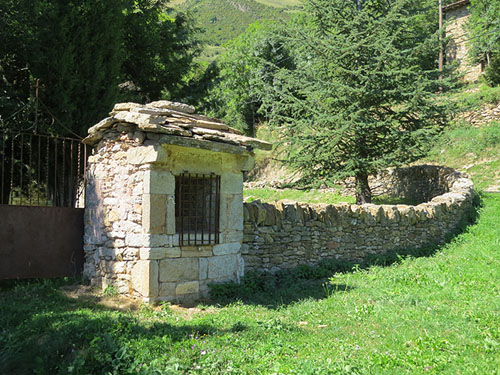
{"points": [[434, 315]]}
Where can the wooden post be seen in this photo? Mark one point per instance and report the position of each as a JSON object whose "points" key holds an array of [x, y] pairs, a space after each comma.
{"points": [[440, 39]]}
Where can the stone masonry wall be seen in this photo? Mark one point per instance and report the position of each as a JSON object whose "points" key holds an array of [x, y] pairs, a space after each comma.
{"points": [[285, 234], [130, 237]]}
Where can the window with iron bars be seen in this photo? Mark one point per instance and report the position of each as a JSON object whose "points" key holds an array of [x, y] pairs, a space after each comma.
{"points": [[197, 202]]}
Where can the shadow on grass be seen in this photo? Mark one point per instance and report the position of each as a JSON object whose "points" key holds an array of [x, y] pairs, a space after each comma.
{"points": [[312, 282], [42, 331]]}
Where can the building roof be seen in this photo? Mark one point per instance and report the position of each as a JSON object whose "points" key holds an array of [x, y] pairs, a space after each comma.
{"points": [[456, 4], [173, 119]]}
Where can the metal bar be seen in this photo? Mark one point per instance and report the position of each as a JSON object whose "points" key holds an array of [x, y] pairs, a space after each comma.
{"points": [[30, 169], [84, 168], [12, 162], [55, 203], [203, 209], [38, 180], [63, 193], [217, 207], [72, 191], [195, 213], [21, 163], [210, 208], [47, 172], [4, 139], [181, 214]]}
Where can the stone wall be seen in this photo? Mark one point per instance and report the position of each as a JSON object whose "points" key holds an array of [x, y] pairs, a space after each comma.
{"points": [[130, 237], [286, 234]]}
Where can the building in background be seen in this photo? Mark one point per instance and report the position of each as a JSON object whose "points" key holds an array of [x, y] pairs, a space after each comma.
{"points": [[456, 16]]}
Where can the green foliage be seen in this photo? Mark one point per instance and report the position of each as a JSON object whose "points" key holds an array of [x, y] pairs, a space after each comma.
{"points": [[80, 52], [359, 99], [484, 35], [159, 49], [248, 65], [492, 71]]}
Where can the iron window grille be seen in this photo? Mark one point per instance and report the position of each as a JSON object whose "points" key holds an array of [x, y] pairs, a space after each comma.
{"points": [[197, 202]]}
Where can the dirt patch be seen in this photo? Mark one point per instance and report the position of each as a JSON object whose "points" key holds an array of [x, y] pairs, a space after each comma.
{"points": [[87, 294], [90, 295]]}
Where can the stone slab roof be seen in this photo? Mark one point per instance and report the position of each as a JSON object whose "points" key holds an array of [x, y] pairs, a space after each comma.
{"points": [[456, 4], [172, 118]]}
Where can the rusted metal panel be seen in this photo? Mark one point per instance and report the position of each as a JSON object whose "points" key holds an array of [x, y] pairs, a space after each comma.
{"points": [[40, 242]]}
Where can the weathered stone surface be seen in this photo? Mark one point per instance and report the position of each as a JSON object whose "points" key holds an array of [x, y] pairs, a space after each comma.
{"points": [[227, 248], [222, 267], [159, 182], [176, 106], [177, 269], [136, 240], [145, 278], [154, 209], [196, 251], [160, 253], [187, 287]]}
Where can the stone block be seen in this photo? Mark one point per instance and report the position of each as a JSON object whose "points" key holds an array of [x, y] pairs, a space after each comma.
{"points": [[167, 290], [178, 269], [159, 182], [222, 267], [231, 183], [196, 251], [154, 213], [203, 274], [170, 225], [187, 288], [227, 248], [160, 253], [146, 154], [136, 240], [145, 278], [232, 236], [231, 212]]}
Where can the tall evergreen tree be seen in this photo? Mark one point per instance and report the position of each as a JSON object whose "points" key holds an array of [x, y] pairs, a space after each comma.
{"points": [[484, 30], [80, 51], [359, 100]]}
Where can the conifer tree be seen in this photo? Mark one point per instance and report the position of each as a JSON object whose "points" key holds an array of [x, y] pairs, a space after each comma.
{"points": [[359, 100]]}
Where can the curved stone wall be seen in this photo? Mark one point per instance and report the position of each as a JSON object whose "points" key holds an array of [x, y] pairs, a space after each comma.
{"points": [[286, 234]]}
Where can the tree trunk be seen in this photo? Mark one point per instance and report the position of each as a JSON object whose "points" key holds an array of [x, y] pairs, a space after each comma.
{"points": [[363, 192]]}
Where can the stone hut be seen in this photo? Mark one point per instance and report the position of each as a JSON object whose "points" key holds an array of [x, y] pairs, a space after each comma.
{"points": [[164, 201], [456, 17]]}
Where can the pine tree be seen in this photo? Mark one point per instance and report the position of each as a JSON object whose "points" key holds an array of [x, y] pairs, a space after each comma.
{"points": [[359, 100]]}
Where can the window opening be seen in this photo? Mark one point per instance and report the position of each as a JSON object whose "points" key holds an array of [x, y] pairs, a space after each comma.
{"points": [[197, 202]]}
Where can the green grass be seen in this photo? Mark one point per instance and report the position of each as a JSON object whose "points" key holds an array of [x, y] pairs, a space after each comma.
{"points": [[306, 196], [432, 315], [476, 148], [472, 97], [312, 196], [281, 3]]}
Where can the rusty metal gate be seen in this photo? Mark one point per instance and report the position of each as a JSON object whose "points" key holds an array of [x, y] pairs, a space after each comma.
{"points": [[42, 180]]}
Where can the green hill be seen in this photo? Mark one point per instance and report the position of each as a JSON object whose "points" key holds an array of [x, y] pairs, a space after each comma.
{"points": [[223, 20]]}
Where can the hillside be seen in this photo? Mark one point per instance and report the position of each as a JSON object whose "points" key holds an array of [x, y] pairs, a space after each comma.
{"points": [[223, 20]]}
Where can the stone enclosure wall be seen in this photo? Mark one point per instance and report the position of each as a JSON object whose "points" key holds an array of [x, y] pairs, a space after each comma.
{"points": [[286, 234]]}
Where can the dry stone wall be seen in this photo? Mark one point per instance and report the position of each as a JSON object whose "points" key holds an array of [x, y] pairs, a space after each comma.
{"points": [[286, 234]]}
